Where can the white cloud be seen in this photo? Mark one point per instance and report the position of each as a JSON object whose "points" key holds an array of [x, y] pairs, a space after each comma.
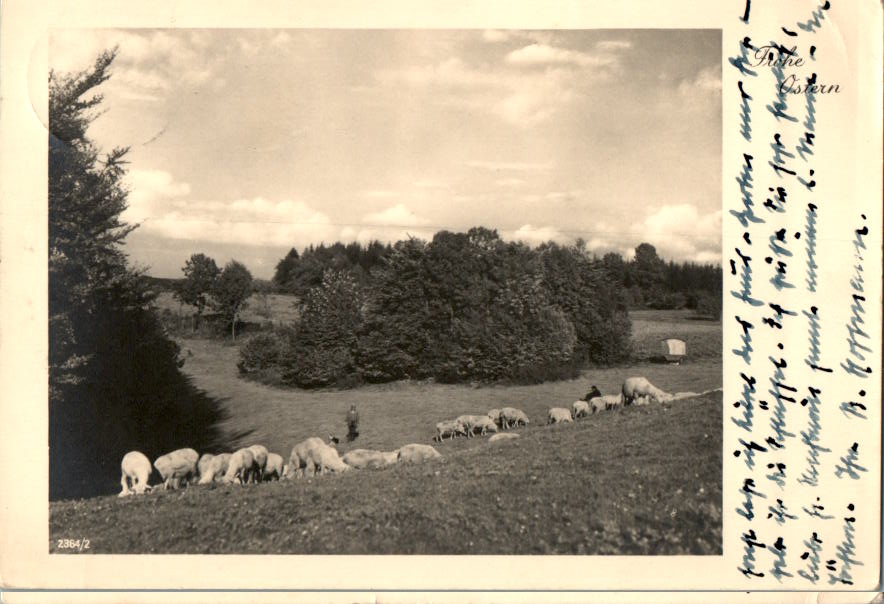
{"points": [[536, 235], [707, 82], [392, 224], [680, 231], [163, 207], [543, 54], [398, 215], [613, 45], [148, 64]]}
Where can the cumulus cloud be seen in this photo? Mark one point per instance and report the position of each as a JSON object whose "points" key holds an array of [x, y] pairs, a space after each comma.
{"points": [[542, 55], [392, 224], [149, 63], [163, 207], [536, 235], [398, 215]]}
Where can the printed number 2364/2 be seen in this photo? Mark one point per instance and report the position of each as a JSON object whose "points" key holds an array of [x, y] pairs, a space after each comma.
{"points": [[77, 544]]}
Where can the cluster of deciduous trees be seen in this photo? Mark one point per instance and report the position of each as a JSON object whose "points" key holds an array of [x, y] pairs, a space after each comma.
{"points": [[114, 379], [462, 307], [225, 291]]}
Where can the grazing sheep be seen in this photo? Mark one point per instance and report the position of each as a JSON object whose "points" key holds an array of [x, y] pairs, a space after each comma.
{"points": [[300, 460], [510, 416], [559, 415], [593, 392], [494, 414], [176, 465], [204, 464], [606, 402], [326, 459], [636, 387], [448, 428], [483, 424], [579, 409], [366, 458], [215, 469], [467, 421], [274, 467], [503, 436], [417, 453], [135, 468], [260, 454], [241, 468], [599, 404]]}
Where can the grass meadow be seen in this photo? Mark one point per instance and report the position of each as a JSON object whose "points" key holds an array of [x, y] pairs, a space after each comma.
{"points": [[643, 480]]}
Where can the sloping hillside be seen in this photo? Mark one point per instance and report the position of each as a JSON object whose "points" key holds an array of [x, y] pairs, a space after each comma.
{"points": [[645, 480]]}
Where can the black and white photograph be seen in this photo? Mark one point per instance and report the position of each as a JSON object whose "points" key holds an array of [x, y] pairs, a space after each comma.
{"points": [[385, 291]]}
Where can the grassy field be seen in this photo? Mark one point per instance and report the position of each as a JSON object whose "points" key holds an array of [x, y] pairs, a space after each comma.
{"points": [[645, 480]]}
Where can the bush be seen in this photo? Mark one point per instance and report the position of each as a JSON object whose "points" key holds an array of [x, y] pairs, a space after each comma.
{"points": [[264, 352]]}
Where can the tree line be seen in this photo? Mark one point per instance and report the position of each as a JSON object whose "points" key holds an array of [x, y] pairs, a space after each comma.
{"points": [[647, 279]]}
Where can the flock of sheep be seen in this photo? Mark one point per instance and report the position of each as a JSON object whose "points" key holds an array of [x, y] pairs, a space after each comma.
{"points": [[313, 455]]}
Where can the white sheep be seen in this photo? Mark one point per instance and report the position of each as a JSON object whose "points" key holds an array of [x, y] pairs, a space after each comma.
{"points": [[483, 424], [215, 469], [510, 417], [241, 467], [494, 414], [298, 460], [203, 465], [274, 467], [176, 465], [559, 415], [326, 459], [467, 421], [449, 428], [367, 458], [598, 404], [417, 453], [579, 409], [503, 436], [636, 387], [135, 469], [605, 402], [259, 452]]}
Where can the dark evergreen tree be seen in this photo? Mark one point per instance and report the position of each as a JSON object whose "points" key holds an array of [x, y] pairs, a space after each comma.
{"points": [[114, 380]]}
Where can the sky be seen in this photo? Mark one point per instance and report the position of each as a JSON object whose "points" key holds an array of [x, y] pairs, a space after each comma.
{"points": [[246, 143]]}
